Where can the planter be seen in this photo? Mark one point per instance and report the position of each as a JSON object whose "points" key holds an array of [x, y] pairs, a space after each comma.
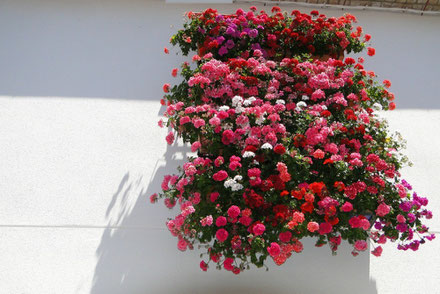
{"points": [[326, 57]]}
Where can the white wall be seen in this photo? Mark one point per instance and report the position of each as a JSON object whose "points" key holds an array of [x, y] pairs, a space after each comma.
{"points": [[80, 153]]}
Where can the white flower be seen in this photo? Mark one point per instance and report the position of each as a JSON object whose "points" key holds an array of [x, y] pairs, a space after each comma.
{"points": [[239, 109], [260, 120], [238, 178], [323, 107], [236, 187], [224, 108], [228, 183], [266, 146], [249, 101], [301, 104], [256, 162], [237, 100], [247, 154], [305, 98], [377, 106], [280, 101]]}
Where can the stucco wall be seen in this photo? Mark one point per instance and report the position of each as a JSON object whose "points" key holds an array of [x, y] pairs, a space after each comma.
{"points": [[80, 152]]}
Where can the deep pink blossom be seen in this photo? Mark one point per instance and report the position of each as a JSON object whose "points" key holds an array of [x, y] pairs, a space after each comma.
{"points": [[221, 235]]}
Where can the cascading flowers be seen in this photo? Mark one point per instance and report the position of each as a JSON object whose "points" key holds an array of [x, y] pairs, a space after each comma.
{"points": [[287, 147]]}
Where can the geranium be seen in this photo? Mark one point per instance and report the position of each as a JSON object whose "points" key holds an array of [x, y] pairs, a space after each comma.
{"points": [[289, 146]]}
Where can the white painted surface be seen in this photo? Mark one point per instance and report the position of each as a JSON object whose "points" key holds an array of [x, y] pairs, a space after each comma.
{"points": [[80, 154]]}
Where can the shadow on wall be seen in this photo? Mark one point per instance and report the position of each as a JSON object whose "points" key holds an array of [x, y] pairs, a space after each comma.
{"points": [[141, 256]]}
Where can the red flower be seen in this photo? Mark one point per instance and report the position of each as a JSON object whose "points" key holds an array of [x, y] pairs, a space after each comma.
{"points": [[392, 106], [350, 60], [220, 176], [174, 72], [325, 228], [203, 266], [314, 12], [221, 235], [371, 51], [165, 49], [228, 137], [387, 83], [377, 251], [276, 9], [340, 186], [166, 88], [307, 207], [284, 193], [318, 154], [317, 187], [298, 194], [279, 149]]}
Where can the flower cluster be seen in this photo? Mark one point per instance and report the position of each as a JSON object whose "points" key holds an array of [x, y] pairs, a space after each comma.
{"points": [[287, 149], [277, 35]]}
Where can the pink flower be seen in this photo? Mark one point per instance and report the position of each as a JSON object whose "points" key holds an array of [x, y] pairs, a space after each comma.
{"points": [[169, 203], [365, 224], [254, 176], [215, 121], [182, 244], [198, 122], [188, 210], [377, 251], [400, 218], [214, 195], [189, 169], [285, 236], [221, 221], [318, 154], [206, 221], [219, 161], [298, 217], [227, 137], [355, 222], [220, 176], [382, 209], [221, 235], [234, 211], [234, 165], [312, 226], [203, 266], [259, 229], [184, 120], [382, 239], [332, 148], [170, 138], [274, 249], [153, 198], [254, 173], [245, 220], [325, 228], [195, 146], [360, 245], [346, 207], [228, 264], [318, 94]]}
